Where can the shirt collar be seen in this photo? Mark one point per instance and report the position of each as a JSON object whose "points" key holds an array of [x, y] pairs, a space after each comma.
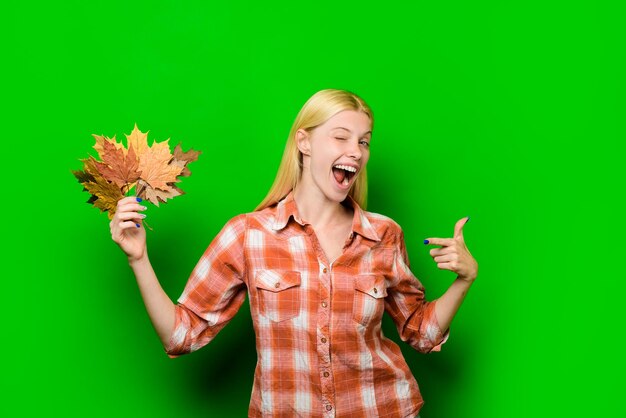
{"points": [[286, 208]]}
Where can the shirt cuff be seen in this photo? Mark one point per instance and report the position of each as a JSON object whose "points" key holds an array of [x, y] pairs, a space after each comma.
{"points": [[433, 338], [176, 345]]}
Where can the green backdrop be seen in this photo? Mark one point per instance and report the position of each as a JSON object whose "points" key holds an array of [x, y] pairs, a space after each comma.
{"points": [[509, 112]]}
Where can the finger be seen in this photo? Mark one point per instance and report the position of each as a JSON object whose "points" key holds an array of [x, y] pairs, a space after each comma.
{"points": [[458, 227], [439, 241], [443, 250], [126, 216], [447, 266], [118, 228], [130, 207], [129, 225], [129, 199], [446, 258]]}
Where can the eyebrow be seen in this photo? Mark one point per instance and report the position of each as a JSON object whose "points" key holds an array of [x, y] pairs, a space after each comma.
{"points": [[346, 129]]}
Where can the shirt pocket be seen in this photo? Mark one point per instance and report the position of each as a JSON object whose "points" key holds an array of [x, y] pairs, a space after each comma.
{"points": [[279, 294], [369, 298]]}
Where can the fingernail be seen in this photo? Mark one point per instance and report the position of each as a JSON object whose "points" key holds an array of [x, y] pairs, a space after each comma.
{"points": [[139, 199], [142, 215], [138, 225], [467, 219], [143, 208], [425, 241]]}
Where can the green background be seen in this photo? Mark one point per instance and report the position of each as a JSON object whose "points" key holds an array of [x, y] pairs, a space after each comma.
{"points": [[509, 112]]}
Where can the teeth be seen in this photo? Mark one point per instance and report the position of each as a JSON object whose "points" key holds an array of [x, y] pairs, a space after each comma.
{"points": [[346, 167]]}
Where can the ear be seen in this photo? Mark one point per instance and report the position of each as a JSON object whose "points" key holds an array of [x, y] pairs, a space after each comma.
{"points": [[303, 141]]}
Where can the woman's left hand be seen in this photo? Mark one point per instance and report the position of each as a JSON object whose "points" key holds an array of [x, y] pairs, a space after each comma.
{"points": [[453, 254]]}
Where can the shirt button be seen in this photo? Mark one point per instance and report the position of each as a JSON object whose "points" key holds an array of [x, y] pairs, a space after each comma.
{"points": [[323, 304], [325, 270], [323, 340], [329, 407], [277, 285], [375, 290], [326, 374]]}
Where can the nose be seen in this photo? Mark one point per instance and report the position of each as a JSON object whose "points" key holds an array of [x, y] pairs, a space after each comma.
{"points": [[354, 151]]}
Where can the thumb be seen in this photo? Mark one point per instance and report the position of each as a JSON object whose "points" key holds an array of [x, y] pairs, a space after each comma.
{"points": [[458, 227]]}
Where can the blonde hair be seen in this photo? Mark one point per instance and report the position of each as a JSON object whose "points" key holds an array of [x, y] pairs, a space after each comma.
{"points": [[318, 109]]}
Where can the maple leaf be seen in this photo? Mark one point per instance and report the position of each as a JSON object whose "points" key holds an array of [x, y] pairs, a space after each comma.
{"points": [[138, 140], [105, 194], [101, 140], [152, 170], [155, 167], [116, 167], [155, 195], [183, 158], [83, 177]]}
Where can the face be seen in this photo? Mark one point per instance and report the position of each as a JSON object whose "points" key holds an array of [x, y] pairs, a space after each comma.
{"points": [[334, 153]]}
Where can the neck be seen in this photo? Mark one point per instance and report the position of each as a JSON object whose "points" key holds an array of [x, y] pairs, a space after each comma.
{"points": [[317, 210]]}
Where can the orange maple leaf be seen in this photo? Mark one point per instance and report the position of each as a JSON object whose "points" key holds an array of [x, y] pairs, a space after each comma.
{"points": [[119, 168], [155, 167], [100, 141]]}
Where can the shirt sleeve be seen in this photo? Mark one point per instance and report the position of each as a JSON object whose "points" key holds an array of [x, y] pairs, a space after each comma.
{"points": [[214, 292], [414, 316]]}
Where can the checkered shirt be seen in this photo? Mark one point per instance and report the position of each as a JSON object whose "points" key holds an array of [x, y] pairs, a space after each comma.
{"points": [[320, 348]]}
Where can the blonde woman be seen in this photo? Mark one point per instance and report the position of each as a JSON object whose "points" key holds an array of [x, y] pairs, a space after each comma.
{"points": [[319, 272]]}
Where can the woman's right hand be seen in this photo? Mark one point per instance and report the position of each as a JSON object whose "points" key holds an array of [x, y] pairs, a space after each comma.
{"points": [[127, 230]]}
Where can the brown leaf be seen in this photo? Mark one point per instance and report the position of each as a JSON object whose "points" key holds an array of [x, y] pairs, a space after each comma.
{"points": [[101, 140], [181, 159], [117, 167], [155, 195]]}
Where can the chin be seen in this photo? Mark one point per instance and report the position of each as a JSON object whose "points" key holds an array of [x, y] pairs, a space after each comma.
{"points": [[337, 196]]}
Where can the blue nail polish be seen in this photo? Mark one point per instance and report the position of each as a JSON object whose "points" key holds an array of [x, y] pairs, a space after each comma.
{"points": [[139, 199], [138, 225], [425, 241]]}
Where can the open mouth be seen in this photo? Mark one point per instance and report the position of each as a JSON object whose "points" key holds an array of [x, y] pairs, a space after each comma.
{"points": [[343, 174]]}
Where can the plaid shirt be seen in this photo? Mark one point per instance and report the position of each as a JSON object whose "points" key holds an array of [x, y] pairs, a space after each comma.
{"points": [[320, 347]]}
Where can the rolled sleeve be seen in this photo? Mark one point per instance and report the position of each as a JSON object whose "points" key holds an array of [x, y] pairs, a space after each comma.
{"points": [[188, 328], [414, 316], [175, 346], [432, 336], [214, 292]]}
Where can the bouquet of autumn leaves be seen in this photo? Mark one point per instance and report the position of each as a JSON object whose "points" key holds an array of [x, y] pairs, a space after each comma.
{"points": [[152, 171]]}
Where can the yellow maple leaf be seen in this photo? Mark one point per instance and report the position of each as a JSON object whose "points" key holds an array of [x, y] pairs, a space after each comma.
{"points": [[106, 193], [138, 140]]}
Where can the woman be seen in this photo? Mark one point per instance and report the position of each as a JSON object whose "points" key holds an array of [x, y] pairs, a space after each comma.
{"points": [[319, 272]]}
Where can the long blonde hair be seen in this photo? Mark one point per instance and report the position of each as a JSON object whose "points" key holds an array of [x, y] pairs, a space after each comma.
{"points": [[318, 109]]}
